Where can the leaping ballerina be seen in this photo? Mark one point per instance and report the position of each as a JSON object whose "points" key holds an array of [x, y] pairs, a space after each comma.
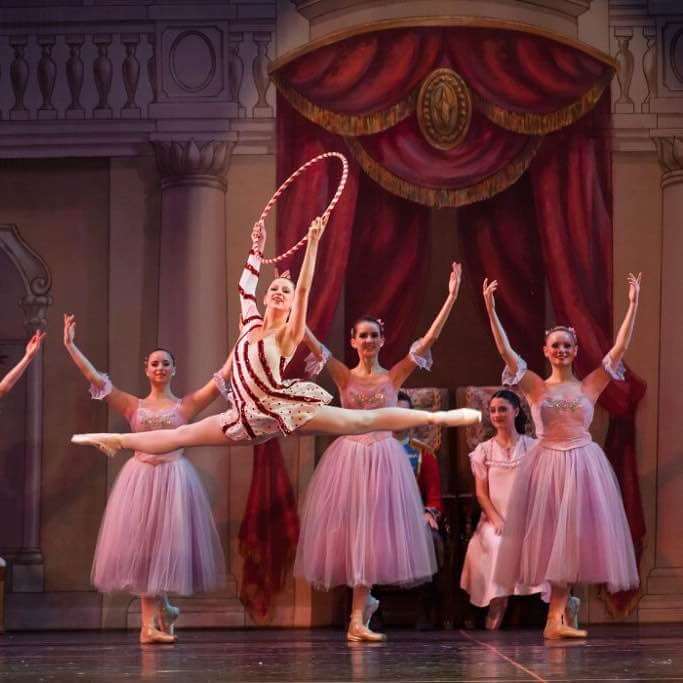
{"points": [[263, 404]]}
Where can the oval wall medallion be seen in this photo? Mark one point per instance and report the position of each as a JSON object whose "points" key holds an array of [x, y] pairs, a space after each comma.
{"points": [[444, 109], [193, 61]]}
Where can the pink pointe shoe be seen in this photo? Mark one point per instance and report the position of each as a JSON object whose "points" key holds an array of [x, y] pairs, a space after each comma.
{"points": [[371, 607], [359, 632], [556, 629], [494, 617], [152, 636], [109, 444], [168, 615]]}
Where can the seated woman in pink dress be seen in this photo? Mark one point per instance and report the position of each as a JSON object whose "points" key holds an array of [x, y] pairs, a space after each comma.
{"points": [[158, 535], [363, 519], [14, 375], [494, 466], [566, 522]]}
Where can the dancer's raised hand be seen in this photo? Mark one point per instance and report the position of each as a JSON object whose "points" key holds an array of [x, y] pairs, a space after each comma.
{"points": [[316, 229], [34, 343], [455, 279], [258, 237], [634, 287], [488, 291], [69, 329]]}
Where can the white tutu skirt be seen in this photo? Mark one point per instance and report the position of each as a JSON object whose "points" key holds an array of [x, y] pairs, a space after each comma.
{"points": [[566, 523], [158, 534], [363, 519]]}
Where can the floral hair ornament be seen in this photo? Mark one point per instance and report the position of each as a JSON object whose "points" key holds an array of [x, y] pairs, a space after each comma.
{"points": [[563, 328], [284, 275]]}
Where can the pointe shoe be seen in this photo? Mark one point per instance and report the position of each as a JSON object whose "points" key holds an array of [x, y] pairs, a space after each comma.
{"points": [[556, 629], [494, 617], [109, 444], [572, 611], [459, 418], [150, 635], [370, 608], [168, 614], [358, 632]]}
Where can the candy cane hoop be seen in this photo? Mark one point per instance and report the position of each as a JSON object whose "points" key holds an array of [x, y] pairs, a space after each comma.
{"points": [[325, 214]]}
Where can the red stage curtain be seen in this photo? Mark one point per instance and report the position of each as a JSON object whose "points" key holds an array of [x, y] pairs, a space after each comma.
{"points": [[269, 531], [500, 241], [573, 198]]}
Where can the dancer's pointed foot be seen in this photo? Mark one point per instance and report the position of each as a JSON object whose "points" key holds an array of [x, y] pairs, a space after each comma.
{"points": [[494, 617], [358, 632], [457, 418], [572, 611], [168, 615], [556, 629], [109, 444], [150, 635], [370, 608]]}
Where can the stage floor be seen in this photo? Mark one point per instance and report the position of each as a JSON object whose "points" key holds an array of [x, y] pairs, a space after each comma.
{"points": [[623, 653]]}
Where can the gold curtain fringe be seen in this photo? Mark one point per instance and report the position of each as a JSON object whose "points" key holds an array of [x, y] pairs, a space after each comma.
{"points": [[346, 124], [441, 197], [541, 124]]}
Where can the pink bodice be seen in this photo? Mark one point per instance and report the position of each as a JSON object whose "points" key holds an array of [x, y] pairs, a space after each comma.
{"points": [[562, 419], [367, 394], [146, 419]]}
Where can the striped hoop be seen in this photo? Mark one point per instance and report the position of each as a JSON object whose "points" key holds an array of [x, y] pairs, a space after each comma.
{"points": [[325, 214]]}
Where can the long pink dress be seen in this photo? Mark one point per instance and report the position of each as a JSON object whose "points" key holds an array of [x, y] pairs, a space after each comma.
{"points": [[363, 521], [566, 523], [497, 465], [158, 534]]}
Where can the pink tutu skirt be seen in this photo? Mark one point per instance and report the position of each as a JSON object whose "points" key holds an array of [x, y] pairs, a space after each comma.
{"points": [[363, 520], [158, 534], [566, 523]]}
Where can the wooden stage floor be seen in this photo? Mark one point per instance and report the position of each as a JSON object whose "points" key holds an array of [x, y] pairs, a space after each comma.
{"points": [[612, 653]]}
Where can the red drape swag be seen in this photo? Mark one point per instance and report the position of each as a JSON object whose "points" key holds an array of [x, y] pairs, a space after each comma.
{"points": [[529, 95], [269, 531]]}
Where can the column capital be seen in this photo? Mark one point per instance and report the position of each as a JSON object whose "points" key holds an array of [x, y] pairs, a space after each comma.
{"points": [[670, 154], [188, 162]]}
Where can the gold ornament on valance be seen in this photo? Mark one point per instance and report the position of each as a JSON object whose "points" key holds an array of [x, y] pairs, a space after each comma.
{"points": [[444, 109]]}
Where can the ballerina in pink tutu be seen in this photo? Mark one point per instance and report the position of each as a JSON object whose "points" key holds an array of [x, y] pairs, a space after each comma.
{"points": [[566, 522], [363, 520], [158, 535], [14, 375], [265, 405], [494, 465]]}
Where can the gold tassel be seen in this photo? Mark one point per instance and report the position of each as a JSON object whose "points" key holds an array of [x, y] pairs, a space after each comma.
{"points": [[530, 123], [345, 124], [440, 197]]}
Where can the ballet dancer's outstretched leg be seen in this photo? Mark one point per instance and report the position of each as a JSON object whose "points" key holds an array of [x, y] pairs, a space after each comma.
{"points": [[327, 420]]}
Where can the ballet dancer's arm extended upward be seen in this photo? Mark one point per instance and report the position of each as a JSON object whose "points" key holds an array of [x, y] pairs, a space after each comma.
{"points": [[13, 376], [120, 401], [295, 329], [531, 383], [338, 371], [403, 369], [595, 382]]}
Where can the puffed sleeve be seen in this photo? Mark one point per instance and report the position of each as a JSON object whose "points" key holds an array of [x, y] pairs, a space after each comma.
{"points": [[614, 370], [314, 365], [423, 360], [511, 378], [99, 393], [478, 462]]}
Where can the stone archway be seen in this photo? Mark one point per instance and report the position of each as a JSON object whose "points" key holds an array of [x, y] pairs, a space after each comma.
{"points": [[27, 561]]}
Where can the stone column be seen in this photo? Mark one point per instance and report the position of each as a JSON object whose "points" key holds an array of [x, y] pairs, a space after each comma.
{"points": [[665, 582], [27, 569], [193, 316]]}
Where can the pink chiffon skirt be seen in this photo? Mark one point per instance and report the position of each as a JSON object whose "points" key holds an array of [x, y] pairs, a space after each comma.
{"points": [[363, 519], [566, 523], [158, 534]]}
